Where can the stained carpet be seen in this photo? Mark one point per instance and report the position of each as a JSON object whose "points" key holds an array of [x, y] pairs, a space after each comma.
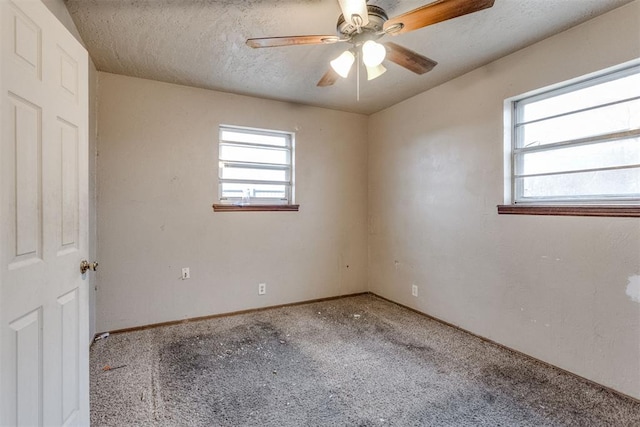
{"points": [[355, 361]]}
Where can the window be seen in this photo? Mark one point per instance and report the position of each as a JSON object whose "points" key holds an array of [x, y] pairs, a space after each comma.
{"points": [[255, 167], [577, 144]]}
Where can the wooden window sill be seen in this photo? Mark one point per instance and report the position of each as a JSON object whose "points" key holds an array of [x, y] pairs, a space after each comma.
{"points": [[217, 207], [572, 210]]}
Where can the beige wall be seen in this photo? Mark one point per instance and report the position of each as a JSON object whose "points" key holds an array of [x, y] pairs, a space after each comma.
{"points": [[552, 287], [157, 180]]}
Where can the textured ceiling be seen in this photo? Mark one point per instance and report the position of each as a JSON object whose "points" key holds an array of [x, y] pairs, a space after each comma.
{"points": [[201, 43]]}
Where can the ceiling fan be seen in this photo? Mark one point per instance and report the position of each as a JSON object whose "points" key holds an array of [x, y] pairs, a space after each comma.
{"points": [[362, 24]]}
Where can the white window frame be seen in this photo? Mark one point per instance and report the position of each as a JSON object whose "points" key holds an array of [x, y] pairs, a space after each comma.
{"points": [[512, 191], [289, 198]]}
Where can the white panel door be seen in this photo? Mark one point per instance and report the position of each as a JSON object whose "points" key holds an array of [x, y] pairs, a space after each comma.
{"points": [[44, 340]]}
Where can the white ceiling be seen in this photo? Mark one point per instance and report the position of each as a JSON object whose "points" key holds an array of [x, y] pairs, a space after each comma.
{"points": [[201, 43]]}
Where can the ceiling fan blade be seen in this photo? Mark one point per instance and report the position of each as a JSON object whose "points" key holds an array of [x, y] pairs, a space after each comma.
{"points": [[328, 79], [433, 13], [355, 7], [290, 41], [408, 59]]}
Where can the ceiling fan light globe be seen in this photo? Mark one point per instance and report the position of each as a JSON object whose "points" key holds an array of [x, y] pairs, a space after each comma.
{"points": [[342, 64], [373, 53], [375, 72]]}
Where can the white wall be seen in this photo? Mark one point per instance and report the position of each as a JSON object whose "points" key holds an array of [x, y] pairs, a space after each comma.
{"points": [[552, 287], [157, 180]]}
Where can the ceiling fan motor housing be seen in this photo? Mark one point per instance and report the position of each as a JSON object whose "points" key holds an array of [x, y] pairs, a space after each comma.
{"points": [[377, 18]]}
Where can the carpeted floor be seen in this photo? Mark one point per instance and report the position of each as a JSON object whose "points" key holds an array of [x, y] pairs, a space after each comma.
{"points": [[355, 361]]}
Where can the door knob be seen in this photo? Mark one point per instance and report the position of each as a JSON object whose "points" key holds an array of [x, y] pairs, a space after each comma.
{"points": [[86, 265]]}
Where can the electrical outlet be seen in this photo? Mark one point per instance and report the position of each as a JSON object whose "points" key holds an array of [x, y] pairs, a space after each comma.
{"points": [[185, 273], [262, 288], [414, 290]]}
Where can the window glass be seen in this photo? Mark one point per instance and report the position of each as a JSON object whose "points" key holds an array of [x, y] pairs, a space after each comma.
{"points": [[253, 154], [246, 173], [578, 143], [255, 138], [625, 87], [604, 120], [259, 191], [255, 166], [601, 184], [624, 152]]}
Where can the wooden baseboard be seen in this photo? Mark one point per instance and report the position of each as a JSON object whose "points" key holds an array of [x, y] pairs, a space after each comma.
{"points": [[255, 310], [508, 348], [230, 313]]}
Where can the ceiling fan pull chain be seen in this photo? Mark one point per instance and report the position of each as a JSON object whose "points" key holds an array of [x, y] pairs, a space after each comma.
{"points": [[357, 76]]}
